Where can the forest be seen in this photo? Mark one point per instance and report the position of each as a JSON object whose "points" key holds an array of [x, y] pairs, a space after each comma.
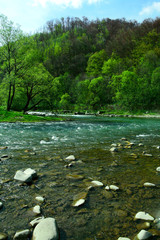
{"points": [[81, 64]]}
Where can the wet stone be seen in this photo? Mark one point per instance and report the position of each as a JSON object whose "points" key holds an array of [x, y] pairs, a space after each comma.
{"points": [[147, 184], [40, 199], [144, 225], [3, 236], [96, 184], [22, 234], [74, 177], [144, 216], [143, 234], [37, 209], [1, 205], [34, 222]]}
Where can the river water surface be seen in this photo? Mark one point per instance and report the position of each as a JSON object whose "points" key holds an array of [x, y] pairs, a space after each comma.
{"points": [[105, 214]]}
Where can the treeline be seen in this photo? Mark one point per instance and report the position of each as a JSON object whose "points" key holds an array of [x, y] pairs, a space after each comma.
{"points": [[78, 64]]}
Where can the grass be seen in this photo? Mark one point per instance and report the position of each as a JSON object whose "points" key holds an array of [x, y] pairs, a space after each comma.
{"points": [[13, 116]]}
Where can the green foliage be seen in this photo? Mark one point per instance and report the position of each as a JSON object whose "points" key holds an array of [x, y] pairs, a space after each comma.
{"points": [[95, 63], [80, 63], [65, 102]]}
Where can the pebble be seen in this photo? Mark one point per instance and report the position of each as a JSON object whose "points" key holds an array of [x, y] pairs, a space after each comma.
{"points": [[97, 184], [78, 203], [22, 234], [114, 149], [147, 184], [37, 209], [40, 199], [123, 238], [143, 234], [158, 169], [1, 205], [112, 187], [144, 216], [3, 236], [70, 158]]}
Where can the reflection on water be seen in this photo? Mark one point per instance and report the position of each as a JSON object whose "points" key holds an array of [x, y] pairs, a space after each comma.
{"points": [[105, 215]]}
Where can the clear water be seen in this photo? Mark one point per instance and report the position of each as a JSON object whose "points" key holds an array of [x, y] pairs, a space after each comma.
{"points": [[104, 215]]}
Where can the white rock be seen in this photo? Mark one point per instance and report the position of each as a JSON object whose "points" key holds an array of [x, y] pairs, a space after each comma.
{"points": [[23, 177], [79, 202], [144, 216], [97, 183], [71, 158], [22, 234], [40, 199], [147, 184], [114, 149], [46, 230], [143, 234], [112, 187], [37, 209], [34, 222], [114, 145], [1, 205], [3, 236], [123, 238], [31, 172], [158, 169]]}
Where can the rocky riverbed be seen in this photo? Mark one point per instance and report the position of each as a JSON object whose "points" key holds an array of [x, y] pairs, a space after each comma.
{"points": [[93, 194]]}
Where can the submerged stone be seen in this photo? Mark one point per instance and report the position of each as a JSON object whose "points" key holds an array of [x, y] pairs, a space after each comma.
{"points": [[143, 234], [96, 184], [25, 176], [1, 205], [144, 216], [78, 203], [158, 169], [37, 209], [123, 238], [24, 234], [3, 236], [46, 230], [114, 149], [74, 177], [112, 187], [70, 158], [40, 199], [147, 184]]}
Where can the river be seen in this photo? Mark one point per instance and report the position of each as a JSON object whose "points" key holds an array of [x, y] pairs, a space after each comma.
{"points": [[105, 214]]}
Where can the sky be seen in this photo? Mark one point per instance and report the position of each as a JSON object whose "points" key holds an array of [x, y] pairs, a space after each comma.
{"points": [[32, 15]]}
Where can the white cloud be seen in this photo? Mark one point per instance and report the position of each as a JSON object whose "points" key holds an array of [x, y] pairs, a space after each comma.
{"points": [[155, 7], [64, 3]]}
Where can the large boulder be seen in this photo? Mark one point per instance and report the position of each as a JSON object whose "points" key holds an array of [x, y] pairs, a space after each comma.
{"points": [[46, 230]]}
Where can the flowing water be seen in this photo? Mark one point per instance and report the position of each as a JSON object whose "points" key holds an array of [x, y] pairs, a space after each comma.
{"points": [[105, 214]]}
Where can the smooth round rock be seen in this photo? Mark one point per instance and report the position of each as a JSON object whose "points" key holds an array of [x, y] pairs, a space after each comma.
{"points": [[97, 184], [1, 205], [46, 230]]}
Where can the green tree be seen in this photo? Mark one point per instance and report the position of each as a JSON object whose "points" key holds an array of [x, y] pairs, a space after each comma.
{"points": [[10, 35], [126, 89], [95, 63]]}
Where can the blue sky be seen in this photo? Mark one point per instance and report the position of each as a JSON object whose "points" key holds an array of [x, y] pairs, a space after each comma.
{"points": [[32, 15]]}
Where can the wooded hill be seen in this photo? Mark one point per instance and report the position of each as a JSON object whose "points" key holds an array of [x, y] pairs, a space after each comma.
{"points": [[78, 64]]}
